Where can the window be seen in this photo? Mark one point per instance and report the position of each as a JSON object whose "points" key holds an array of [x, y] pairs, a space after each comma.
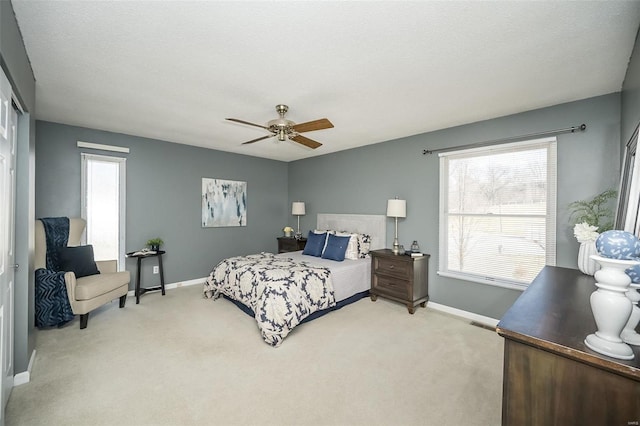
{"points": [[103, 205], [497, 212]]}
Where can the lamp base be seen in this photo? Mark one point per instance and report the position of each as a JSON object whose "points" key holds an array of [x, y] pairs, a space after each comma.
{"points": [[396, 246]]}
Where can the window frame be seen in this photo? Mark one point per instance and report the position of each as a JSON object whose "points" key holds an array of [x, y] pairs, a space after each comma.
{"points": [[550, 143], [122, 179], [628, 208]]}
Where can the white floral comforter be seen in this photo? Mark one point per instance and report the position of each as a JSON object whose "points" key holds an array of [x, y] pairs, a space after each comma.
{"points": [[280, 291]]}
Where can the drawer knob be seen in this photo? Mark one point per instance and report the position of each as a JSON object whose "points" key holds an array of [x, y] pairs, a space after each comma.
{"points": [[391, 266]]}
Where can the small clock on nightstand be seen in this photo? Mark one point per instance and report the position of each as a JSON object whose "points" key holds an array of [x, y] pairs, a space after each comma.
{"points": [[287, 244]]}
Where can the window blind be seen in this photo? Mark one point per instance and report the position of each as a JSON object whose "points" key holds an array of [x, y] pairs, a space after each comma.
{"points": [[498, 212]]}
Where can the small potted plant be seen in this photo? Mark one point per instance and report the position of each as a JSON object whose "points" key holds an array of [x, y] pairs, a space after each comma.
{"points": [[591, 218], [155, 243], [597, 211], [288, 231]]}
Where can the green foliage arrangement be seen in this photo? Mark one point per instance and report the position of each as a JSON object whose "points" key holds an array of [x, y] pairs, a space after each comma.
{"points": [[155, 242], [596, 212]]}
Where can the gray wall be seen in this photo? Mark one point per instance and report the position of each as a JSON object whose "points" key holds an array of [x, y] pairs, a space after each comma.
{"points": [[15, 64], [631, 96], [378, 172], [361, 180], [163, 196]]}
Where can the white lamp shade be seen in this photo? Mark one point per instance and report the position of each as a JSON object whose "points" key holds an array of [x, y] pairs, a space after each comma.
{"points": [[397, 208], [297, 208]]}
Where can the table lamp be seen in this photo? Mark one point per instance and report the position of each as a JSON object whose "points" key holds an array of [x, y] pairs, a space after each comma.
{"points": [[297, 209], [396, 208]]}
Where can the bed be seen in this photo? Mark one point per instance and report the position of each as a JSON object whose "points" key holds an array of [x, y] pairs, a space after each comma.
{"points": [[284, 290]]}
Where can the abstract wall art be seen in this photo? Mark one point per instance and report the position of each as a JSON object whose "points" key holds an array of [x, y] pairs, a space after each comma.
{"points": [[224, 203]]}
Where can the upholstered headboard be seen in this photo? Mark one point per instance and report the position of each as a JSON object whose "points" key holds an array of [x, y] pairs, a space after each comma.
{"points": [[372, 224]]}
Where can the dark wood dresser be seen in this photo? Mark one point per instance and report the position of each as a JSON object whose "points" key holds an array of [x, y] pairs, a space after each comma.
{"points": [[550, 376], [287, 244], [400, 277]]}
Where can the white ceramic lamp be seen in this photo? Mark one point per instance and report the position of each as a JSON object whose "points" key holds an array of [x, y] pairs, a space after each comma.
{"points": [[298, 209], [396, 208]]}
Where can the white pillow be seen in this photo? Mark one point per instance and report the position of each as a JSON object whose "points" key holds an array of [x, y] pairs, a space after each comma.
{"points": [[352, 248], [322, 231]]}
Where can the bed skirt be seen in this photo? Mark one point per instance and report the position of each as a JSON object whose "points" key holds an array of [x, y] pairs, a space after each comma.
{"points": [[349, 300]]}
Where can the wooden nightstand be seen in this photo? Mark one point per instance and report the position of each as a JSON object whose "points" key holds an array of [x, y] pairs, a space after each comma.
{"points": [[402, 278], [287, 244]]}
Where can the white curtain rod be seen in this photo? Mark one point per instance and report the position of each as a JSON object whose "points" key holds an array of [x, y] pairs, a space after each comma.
{"points": [[572, 129]]}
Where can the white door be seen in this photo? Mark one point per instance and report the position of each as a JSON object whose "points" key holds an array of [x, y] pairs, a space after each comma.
{"points": [[8, 122]]}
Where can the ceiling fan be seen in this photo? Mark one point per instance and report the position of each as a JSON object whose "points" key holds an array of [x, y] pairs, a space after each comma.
{"points": [[283, 128]]}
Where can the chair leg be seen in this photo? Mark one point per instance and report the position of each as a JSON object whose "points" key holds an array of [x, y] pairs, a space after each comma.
{"points": [[123, 300], [84, 319]]}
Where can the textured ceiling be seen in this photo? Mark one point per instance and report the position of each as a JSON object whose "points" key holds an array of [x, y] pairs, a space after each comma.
{"points": [[174, 70]]}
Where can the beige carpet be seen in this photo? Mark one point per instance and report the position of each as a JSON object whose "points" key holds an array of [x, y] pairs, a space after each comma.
{"points": [[184, 360]]}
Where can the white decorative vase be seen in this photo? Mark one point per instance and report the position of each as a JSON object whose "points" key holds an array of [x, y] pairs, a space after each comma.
{"points": [[611, 307], [585, 263]]}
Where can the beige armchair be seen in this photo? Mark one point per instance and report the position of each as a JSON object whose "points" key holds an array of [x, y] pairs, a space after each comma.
{"points": [[91, 292]]}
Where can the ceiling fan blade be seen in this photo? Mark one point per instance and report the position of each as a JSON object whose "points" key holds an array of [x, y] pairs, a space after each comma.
{"points": [[256, 140], [305, 141], [310, 126], [246, 122]]}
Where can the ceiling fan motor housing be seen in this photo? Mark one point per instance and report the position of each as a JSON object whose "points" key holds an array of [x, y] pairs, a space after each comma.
{"points": [[281, 126]]}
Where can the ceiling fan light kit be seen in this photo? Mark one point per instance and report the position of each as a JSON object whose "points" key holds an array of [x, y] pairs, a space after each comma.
{"points": [[283, 128]]}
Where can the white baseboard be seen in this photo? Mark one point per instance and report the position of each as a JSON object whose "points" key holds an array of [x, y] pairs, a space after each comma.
{"points": [[491, 322], [25, 376], [172, 286]]}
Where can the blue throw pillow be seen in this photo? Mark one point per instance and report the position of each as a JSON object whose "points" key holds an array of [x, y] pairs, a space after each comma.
{"points": [[315, 244], [336, 248]]}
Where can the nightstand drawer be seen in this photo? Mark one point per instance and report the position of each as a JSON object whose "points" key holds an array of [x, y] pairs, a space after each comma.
{"points": [[393, 267], [287, 244], [392, 286]]}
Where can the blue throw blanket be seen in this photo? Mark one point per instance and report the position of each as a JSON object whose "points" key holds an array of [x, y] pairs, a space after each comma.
{"points": [[52, 301], [56, 230]]}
